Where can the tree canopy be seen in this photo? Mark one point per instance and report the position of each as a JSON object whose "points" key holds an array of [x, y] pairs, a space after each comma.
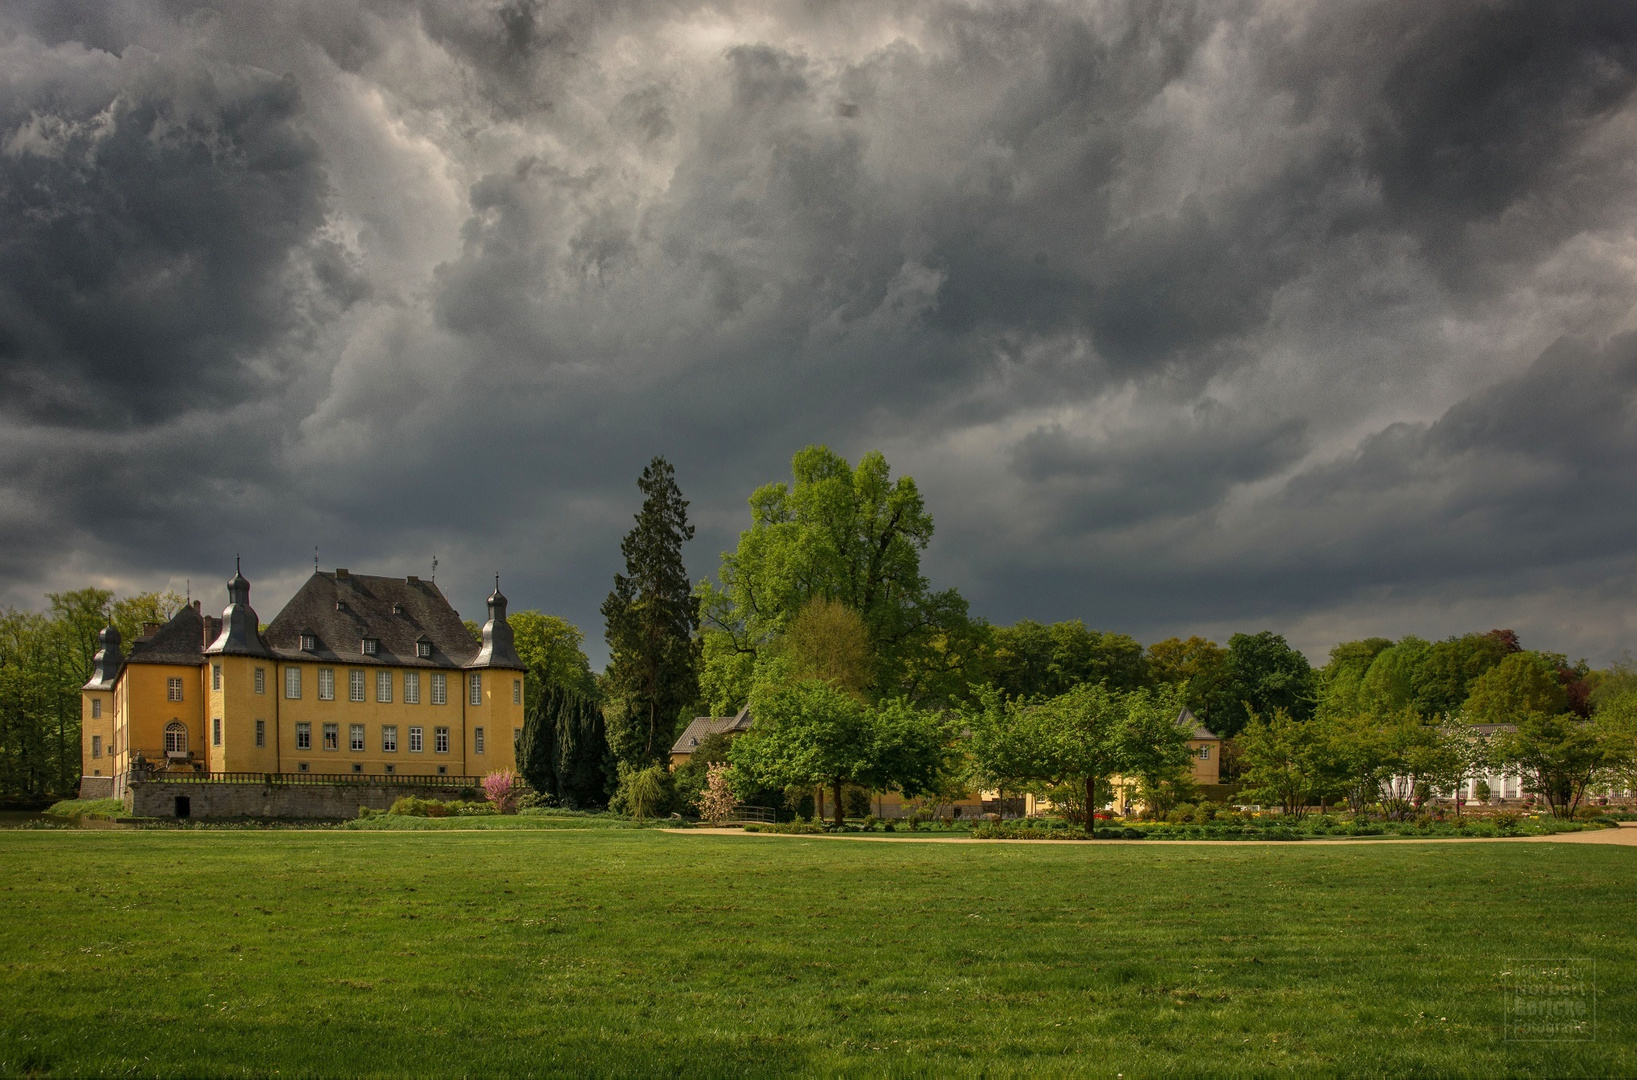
{"points": [[847, 535], [1082, 737], [1032, 659], [810, 733], [1264, 674]]}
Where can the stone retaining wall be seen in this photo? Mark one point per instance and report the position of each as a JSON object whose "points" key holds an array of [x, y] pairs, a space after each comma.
{"points": [[97, 787], [158, 798]]}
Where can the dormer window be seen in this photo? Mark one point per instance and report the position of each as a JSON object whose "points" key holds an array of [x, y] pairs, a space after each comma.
{"points": [[397, 609], [308, 642], [423, 648], [341, 605], [371, 646]]}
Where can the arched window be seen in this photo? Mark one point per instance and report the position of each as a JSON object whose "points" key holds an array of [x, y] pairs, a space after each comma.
{"points": [[176, 737]]}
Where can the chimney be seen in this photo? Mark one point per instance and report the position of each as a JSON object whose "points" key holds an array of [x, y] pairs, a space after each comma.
{"points": [[340, 573], [149, 629], [196, 605], [413, 580], [213, 628]]}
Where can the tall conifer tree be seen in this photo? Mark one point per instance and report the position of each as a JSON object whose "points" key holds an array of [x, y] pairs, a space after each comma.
{"points": [[652, 615]]}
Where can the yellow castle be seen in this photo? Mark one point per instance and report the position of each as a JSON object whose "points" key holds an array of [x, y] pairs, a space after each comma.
{"points": [[357, 677]]}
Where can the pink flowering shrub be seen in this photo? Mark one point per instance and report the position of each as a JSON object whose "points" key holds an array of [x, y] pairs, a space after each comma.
{"points": [[717, 802], [501, 789]]}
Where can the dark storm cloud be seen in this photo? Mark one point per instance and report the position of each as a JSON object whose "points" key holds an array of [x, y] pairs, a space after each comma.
{"points": [[1180, 313], [1538, 462], [153, 210], [1159, 470]]}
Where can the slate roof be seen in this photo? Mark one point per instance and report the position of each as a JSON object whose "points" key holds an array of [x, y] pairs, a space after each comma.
{"points": [[342, 609], [236, 633], [701, 726], [106, 664], [1186, 716], [180, 641]]}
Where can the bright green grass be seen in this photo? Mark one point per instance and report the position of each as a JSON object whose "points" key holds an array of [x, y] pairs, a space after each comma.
{"points": [[645, 953], [73, 808]]}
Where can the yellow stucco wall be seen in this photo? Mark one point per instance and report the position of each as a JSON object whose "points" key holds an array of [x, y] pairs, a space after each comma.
{"points": [[374, 715], [238, 706], [143, 709], [499, 715], [137, 711], [97, 733]]}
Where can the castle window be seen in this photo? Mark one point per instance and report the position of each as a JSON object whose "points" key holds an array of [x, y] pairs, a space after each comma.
{"points": [[176, 738], [215, 676], [292, 683], [440, 740], [517, 691], [476, 697], [412, 688], [415, 740], [261, 732], [302, 767], [216, 731], [357, 767], [383, 686], [371, 646], [173, 689], [440, 688], [96, 708], [326, 684], [332, 736], [391, 769], [261, 680], [304, 739], [443, 770], [1205, 753], [423, 649], [389, 738], [357, 734], [309, 642], [477, 740], [355, 685], [96, 746]]}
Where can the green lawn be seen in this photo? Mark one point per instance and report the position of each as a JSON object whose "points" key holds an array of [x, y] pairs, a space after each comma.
{"points": [[642, 953]]}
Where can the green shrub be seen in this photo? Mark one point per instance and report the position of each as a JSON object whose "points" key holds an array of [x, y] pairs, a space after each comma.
{"points": [[533, 800], [789, 827], [644, 793], [410, 806]]}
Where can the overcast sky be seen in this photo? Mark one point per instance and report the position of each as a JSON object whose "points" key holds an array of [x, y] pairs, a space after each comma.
{"points": [[1184, 317]]}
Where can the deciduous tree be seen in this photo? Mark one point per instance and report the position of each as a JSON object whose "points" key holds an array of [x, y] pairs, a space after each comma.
{"points": [[1283, 763], [853, 536], [1558, 756], [1264, 674], [810, 733]]}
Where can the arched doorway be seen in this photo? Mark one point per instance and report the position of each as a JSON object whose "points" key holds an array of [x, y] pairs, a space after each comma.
{"points": [[176, 739]]}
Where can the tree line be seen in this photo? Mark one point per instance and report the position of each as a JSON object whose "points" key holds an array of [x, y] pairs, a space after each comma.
{"points": [[861, 675], [45, 657]]}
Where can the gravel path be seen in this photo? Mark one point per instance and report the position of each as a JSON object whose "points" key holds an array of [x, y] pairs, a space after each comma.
{"points": [[1625, 835]]}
